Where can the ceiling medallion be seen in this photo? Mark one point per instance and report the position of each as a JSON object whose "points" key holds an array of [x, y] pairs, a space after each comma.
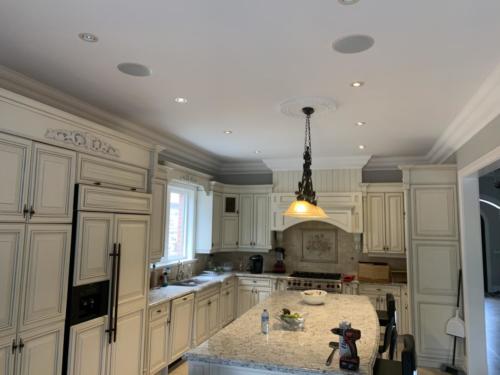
{"points": [[306, 205]]}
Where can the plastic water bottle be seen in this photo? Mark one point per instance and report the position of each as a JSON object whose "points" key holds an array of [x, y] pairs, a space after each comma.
{"points": [[343, 348], [264, 322]]}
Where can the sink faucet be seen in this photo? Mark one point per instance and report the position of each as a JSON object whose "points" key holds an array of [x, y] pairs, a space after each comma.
{"points": [[180, 272]]}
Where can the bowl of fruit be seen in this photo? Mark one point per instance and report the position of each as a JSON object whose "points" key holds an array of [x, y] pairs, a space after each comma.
{"points": [[291, 321], [314, 297]]}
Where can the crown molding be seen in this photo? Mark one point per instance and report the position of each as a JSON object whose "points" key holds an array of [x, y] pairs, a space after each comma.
{"points": [[479, 111], [244, 167], [321, 162], [175, 149], [385, 163]]}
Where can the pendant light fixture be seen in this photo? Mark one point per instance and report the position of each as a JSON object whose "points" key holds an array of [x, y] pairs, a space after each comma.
{"points": [[306, 205]]}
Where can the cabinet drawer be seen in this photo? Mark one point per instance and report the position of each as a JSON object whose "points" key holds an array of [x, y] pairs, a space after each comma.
{"points": [[99, 199], [159, 311], [208, 292], [228, 283], [379, 289], [104, 172], [250, 281]]}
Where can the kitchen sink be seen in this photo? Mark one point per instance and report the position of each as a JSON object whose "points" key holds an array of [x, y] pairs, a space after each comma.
{"points": [[190, 282]]}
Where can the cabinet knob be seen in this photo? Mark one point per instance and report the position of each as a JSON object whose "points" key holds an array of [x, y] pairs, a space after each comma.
{"points": [[97, 183], [158, 311], [14, 346], [209, 302]]}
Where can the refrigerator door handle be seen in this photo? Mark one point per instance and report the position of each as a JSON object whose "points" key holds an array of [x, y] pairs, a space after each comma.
{"points": [[118, 268], [109, 331]]}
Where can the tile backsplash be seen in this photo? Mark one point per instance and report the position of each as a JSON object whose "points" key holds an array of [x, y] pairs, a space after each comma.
{"points": [[314, 247]]}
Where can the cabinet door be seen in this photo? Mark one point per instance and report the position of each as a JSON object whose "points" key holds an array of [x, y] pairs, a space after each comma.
{"points": [[246, 298], [230, 205], [261, 295], [246, 220], [376, 222], [213, 314], [227, 304], [132, 236], [181, 326], [158, 220], [6, 355], [11, 255], [45, 274], [217, 221], [230, 232], [94, 241], [158, 345], [262, 233], [15, 155], [127, 350], [52, 184], [88, 348], [201, 331], [394, 223], [42, 351]]}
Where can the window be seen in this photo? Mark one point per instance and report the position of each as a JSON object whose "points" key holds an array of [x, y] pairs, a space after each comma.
{"points": [[181, 220]]}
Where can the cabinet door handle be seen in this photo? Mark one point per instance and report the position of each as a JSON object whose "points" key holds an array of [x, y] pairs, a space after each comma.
{"points": [[32, 212], [227, 293], [25, 210], [14, 346], [158, 311], [209, 302], [97, 183], [21, 345]]}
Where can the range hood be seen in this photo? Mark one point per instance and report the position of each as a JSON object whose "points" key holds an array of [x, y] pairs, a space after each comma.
{"points": [[344, 210]]}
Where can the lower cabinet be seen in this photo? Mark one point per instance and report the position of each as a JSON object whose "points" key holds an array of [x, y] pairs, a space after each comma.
{"points": [[227, 305], [181, 323], [206, 321], [158, 335], [252, 291]]}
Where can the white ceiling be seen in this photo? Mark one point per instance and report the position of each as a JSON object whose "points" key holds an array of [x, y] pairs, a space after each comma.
{"points": [[237, 60]]}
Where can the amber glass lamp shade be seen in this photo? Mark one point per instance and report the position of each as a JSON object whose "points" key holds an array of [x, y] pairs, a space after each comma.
{"points": [[304, 210]]}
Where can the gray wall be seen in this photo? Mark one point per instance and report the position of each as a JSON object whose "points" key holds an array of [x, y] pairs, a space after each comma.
{"points": [[246, 179], [486, 140], [393, 175]]}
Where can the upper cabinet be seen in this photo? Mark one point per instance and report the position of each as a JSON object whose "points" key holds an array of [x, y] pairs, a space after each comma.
{"points": [[158, 219], [385, 223], [37, 182], [230, 204], [255, 232], [208, 222]]}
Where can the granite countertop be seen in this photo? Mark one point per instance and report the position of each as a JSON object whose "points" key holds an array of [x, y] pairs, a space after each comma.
{"points": [[242, 344], [161, 295]]}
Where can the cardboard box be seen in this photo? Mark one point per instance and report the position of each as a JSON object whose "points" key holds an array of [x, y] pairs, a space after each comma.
{"points": [[374, 272]]}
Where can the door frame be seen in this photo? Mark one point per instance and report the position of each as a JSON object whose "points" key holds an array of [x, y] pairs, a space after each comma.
{"points": [[472, 259]]}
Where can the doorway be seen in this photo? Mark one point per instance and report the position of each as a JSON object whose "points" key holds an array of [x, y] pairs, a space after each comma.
{"points": [[482, 315]]}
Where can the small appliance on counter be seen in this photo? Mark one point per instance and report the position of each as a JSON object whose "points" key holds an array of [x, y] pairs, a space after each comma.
{"points": [[256, 264], [279, 266]]}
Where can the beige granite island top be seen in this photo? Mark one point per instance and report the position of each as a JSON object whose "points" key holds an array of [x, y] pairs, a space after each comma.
{"points": [[241, 344]]}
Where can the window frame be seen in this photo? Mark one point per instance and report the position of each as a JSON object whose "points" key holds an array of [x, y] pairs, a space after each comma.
{"points": [[190, 223]]}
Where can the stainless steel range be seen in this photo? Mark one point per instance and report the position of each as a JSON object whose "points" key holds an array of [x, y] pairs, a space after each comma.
{"points": [[330, 282]]}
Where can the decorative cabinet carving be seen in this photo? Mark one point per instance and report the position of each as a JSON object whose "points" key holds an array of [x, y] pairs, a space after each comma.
{"points": [[47, 172]]}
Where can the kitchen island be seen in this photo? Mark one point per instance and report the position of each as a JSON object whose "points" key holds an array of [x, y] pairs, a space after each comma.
{"points": [[240, 348]]}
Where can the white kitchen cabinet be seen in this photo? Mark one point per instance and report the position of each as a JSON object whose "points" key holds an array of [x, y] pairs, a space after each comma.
{"points": [[230, 231], [40, 351], [207, 315], [181, 323], [252, 291], [45, 275], [230, 205], [94, 241], [48, 173], [6, 355], [208, 222], [158, 220], [88, 348], [158, 336], [201, 328], [227, 305], [15, 157], [11, 255], [385, 224], [254, 225], [132, 237], [52, 184], [127, 351]]}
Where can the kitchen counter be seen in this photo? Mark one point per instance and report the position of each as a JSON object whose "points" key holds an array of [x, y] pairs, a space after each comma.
{"points": [[241, 345], [160, 295]]}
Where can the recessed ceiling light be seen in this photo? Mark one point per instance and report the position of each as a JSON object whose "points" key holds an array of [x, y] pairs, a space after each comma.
{"points": [[353, 44], [360, 123], [134, 69], [348, 2], [228, 131], [258, 151], [357, 84], [361, 147], [88, 37], [181, 100]]}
